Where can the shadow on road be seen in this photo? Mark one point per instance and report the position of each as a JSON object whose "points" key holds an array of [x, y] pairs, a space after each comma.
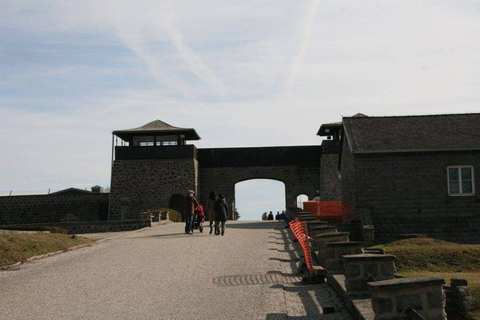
{"points": [[313, 297]]}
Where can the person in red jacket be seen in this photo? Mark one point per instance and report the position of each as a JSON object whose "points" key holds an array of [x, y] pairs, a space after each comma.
{"points": [[199, 217]]}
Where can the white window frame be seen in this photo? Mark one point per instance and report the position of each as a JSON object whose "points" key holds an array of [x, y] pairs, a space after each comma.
{"points": [[460, 194]]}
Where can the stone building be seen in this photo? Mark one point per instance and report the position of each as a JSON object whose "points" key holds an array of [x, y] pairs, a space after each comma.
{"points": [[413, 174], [154, 167], [54, 207]]}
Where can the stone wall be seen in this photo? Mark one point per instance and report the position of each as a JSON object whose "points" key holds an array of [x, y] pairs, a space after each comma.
{"points": [[139, 185], [297, 179], [348, 183], [52, 208], [408, 193], [105, 226], [330, 182]]}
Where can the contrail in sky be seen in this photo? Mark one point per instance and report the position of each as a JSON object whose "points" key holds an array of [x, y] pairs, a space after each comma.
{"points": [[134, 41], [305, 40], [197, 66]]}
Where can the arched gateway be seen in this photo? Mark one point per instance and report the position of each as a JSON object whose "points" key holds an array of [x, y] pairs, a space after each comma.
{"points": [[153, 163], [297, 167]]}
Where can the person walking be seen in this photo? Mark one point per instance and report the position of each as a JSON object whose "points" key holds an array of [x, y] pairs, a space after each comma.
{"points": [[190, 204], [211, 210], [221, 214]]}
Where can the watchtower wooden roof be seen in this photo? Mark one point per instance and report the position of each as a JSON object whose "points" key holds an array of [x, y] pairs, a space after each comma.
{"points": [[158, 128]]}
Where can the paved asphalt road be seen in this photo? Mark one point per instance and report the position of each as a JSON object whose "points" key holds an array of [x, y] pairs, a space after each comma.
{"points": [[162, 273]]}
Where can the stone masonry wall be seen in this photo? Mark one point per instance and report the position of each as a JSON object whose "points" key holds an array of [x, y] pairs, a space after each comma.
{"points": [[330, 182], [297, 179], [138, 185], [52, 208], [348, 183], [408, 193]]}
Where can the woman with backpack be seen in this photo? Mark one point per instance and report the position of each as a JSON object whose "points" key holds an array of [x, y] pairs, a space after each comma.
{"points": [[221, 214]]}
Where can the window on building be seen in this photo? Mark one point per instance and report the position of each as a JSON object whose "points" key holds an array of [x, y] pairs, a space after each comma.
{"points": [[167, 140], [143, 141], [460, 180]]}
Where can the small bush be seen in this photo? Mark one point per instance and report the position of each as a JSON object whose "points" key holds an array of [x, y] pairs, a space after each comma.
{"points": [[173, 215]]}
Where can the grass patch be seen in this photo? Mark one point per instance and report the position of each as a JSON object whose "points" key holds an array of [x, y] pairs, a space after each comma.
{"points": [[434, 255], [425, 257], [20, 247]]}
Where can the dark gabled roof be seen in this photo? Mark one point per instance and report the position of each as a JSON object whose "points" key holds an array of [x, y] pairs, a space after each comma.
{"points": [[335, 125], [446, 132], [71, 190], [157, 127]]}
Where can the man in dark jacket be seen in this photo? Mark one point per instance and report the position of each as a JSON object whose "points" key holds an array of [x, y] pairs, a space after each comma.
{"points": [[221, 214], [190, 204]]}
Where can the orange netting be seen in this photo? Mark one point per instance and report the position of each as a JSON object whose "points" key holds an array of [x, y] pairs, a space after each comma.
{"points": [[331, 211], [299, 229]]}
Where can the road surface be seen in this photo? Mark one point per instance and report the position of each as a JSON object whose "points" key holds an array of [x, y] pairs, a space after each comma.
{"points": [[162, 273]]}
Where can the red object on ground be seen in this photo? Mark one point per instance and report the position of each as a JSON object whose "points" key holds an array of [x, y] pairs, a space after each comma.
{"points": [[331, 211]]}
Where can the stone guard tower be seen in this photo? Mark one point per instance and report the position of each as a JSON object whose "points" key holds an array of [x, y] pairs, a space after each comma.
{"points": [[152, 167]]}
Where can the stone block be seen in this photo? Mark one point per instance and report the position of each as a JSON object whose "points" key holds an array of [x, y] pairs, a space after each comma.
{"points": [[388, 270], [382, 305], [355, 285], [371, 269], [334, 266], [410, 300], [435, 299], [352, 270]]}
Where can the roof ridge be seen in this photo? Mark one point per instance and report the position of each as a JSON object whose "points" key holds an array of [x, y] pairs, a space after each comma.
{"points": [[416, 116]]}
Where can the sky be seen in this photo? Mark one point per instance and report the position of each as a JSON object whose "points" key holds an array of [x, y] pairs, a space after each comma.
{"points": [[242, 73]]}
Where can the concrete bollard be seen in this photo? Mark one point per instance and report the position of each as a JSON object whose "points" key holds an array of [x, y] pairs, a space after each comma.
{"points": [[314, 231], [319, 241], [331, 256], [390, 298], [363, 268]]}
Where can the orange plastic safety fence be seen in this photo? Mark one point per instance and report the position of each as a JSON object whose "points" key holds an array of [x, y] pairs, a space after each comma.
{"points": [[299, 230], [331, 211]]}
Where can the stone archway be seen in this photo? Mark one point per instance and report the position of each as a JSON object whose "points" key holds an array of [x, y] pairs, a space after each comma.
{"points": [[253, 197], [176, 203]]}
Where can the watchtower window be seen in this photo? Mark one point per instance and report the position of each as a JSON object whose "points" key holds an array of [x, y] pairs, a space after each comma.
{"points": [[167, 140], [144, 141]]}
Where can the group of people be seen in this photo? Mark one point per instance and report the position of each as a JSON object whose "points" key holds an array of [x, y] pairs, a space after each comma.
{"points": [[278, 216], [217, 212]]}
